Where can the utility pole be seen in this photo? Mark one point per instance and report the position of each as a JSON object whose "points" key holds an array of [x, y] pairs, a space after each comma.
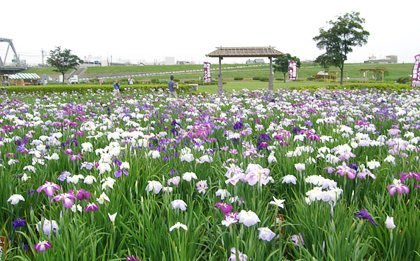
{"points": [[111, 60], [42, 51]]}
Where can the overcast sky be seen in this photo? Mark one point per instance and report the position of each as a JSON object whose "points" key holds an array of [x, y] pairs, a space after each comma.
{"points": [[189, 29]]}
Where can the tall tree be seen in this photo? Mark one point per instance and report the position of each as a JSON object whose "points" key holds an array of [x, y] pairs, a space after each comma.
{"points": [[338, 41], [63, 61], [281, 64]]}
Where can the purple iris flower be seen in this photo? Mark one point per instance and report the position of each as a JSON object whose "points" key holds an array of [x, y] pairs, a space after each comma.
{"points": [[226, 208], [18, 223], [296, 130], [353, 166], [63, 176], [264, 137], [67, 198], [83, 194], [238, 126], [364, 214], [119, 172], [132, 258], [49, 188], [309, 123], [91, 207]]}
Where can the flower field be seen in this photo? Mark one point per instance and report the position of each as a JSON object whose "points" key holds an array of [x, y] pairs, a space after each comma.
{"points": [[253, 175]]}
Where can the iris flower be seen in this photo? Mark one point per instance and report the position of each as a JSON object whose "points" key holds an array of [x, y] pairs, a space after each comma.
{"points": [[48, 226], [42, 245], [49, 188], [226, 208], [248, 218], [178, 225], [298, 239], [241, 256], [18, 223], [15, 198], [364, 214], [179, 204], [91, 207], [67, 198], [397, 186], [278, 202], [266, 234]]}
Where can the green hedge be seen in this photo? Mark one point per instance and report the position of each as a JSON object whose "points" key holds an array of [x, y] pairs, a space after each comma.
{"points": [[201, 82], [197, 92], [377, 86], [238, 78], [93, 88]]}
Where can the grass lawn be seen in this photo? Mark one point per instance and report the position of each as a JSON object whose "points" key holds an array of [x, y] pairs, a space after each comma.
{"points": [[229, 71]]}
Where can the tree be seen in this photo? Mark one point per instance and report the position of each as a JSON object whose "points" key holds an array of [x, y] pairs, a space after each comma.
{"points": [[281, 64], [338, 41], [63, 61]]}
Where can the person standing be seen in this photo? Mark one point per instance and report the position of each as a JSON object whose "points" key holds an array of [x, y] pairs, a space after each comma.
{"points": [[116, 87], [101, 81], [171, 85], [130, 81]]}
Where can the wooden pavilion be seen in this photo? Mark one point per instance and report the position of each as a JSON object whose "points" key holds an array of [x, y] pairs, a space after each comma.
{"points": [[269, 52], [339, 72], [371, 70]]}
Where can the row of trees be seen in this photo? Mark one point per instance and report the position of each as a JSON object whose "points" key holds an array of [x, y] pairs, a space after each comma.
{"points": [[338, 41]]}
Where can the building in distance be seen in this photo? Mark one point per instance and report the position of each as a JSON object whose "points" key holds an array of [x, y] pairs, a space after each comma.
{"points": [[388, 59]]}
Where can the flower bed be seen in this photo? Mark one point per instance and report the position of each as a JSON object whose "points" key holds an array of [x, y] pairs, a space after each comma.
{"points": [[250, 176]]}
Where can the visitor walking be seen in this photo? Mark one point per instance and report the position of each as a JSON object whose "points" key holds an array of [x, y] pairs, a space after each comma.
{"points": [[171, 85], [116, 87]]}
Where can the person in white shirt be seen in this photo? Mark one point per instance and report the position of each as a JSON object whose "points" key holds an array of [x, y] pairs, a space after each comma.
{"points": [[130, 81]]}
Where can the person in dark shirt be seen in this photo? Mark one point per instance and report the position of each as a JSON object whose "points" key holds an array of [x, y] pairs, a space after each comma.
{"points": [[171, 85]]}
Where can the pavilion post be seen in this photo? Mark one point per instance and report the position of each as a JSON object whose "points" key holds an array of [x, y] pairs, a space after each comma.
{"points": [[383, 75], [270, 77], [219, 79]]}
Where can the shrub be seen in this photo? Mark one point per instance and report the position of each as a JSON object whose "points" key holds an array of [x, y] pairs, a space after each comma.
{"points": [[256, 78], [238, 78], [264, 79], [404, 80], [280, 79], [311, 78], [154, 81]]}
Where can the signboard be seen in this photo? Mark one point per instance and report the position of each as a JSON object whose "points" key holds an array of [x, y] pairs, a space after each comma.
{"points": [[2, 248], [415, 76], [207, 73], [292, 71]]}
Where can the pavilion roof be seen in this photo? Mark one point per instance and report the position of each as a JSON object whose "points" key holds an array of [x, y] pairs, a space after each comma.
{"points": [[245, 52]]}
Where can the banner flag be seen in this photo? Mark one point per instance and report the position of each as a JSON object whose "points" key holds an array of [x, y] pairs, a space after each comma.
{"points": [[292, 71], [415, 76], [207, 73]]}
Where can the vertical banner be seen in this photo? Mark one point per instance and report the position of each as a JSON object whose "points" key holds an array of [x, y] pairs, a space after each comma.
{"points": [[415, 76], [292, 71], [207, 73]]}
